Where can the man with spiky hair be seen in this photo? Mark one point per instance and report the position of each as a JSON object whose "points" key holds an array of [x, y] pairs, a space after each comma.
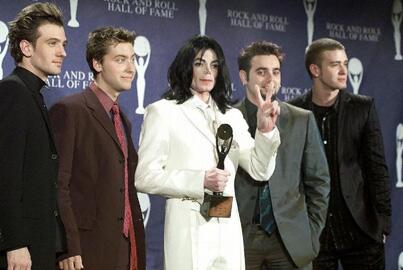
{"points": [[29, 161]]}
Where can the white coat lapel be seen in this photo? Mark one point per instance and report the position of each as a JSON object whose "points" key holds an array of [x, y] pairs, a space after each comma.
{"points": [[195, 116]]}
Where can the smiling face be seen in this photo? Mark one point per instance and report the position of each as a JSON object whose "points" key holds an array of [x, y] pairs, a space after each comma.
{"points": [[205, 70], [45, 57], [331, 73], [265, 73], [116, 70]]}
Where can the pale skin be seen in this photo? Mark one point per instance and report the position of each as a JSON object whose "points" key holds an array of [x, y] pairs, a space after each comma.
{"points": [[205, 70], [42, 59], [329, 76], [116, 72]]}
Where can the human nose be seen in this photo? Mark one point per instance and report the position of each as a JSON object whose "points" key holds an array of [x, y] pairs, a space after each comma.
{"points": [[130, 66], [62, 51], [207, 69], [268, 78], [343, 69]]}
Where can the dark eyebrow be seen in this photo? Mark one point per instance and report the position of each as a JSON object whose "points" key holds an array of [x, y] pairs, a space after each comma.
{"points": [[202, 60], [56, 39], [53, 39], [337, 62]]}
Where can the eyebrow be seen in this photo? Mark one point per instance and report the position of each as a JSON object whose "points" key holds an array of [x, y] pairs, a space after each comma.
{"points": [[201, 59], [337, 62], [265, 69], [56, 39], [125, 56]]}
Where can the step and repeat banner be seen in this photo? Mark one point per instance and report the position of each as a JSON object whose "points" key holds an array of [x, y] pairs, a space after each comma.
{"points": [[370, 30]]}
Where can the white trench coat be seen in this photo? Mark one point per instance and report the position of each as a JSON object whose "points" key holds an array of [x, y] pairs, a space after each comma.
{"points": [[176, 148]]}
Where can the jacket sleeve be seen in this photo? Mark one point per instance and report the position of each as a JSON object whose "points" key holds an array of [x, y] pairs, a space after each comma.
{"points": [[256, 156], [63, 122], [375, 170], [14, 119], [316, 180]]}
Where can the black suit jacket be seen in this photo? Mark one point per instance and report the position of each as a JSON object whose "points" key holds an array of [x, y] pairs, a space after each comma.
{"points": [[362, 168], [28, 171], [299, 186], [91, 181]]}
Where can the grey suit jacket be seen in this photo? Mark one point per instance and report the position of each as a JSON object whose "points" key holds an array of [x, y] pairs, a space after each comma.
{"points": [[299, 186]]}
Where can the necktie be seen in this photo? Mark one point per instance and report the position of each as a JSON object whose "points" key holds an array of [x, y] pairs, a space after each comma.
{"points": [[128, 227], [266, 210]]}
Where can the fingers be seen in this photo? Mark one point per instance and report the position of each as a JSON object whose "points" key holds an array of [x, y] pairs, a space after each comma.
{"points": [[71, 263], [270, 91], [258, 95], [216, 179], [19, 259], [79, 263]]}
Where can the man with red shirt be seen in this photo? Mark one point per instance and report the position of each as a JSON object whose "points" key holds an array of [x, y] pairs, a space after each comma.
{"points": [[97, 197]]}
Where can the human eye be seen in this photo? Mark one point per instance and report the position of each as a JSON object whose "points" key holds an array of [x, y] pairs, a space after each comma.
{"points": [[120, 60], [52, 43], [260, 72], [197, 63], [215, 66], [276, 72]]}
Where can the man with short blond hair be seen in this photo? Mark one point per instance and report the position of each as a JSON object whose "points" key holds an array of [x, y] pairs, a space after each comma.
{"points": [[97, 197]]}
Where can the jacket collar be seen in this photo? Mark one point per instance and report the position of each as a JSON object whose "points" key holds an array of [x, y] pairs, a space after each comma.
{"points": [[100, 114], [34, 84], [194, 110]]}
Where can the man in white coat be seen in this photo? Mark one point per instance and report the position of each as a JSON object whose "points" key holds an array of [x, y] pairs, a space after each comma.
{"points": [[177, 157]]}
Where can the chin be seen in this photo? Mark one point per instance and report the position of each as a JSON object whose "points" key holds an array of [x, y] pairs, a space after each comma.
{"points": [[126, 87], [54, 72]]}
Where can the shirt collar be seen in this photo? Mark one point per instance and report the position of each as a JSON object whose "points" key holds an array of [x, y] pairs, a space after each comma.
{"points": [[198, 103], [334, 107], [33, 82], [105, 100]]}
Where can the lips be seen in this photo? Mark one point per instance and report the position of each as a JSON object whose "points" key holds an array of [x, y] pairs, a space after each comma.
{"points": [[206, 80]]}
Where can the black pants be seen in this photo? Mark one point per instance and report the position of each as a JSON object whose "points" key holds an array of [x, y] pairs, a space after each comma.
{"points": [[367, 257]]}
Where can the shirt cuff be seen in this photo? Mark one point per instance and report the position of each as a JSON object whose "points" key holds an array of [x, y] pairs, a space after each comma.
{"points": [[269, 135]]}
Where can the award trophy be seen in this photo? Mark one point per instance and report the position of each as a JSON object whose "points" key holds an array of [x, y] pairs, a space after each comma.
{"points": [[217, 205]]}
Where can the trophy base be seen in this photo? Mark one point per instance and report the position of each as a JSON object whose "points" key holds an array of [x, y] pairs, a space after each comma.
{"points": [[216, 206]]}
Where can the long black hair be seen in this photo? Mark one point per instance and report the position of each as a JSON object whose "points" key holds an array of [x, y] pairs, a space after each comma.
{"points": [[180, 73]]}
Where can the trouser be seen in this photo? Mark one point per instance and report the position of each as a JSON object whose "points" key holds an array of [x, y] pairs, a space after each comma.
{"points": [[264, 251], [366, 257]]}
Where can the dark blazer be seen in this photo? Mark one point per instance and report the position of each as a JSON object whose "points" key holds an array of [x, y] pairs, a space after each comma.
{"points": [[362, 168], [28, 171], [91, 181], [299, 186]]}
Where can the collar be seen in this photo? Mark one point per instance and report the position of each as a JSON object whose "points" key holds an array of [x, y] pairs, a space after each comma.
{"points": [[334, 107], [196, 102], [33, 82], [105, 100]]}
